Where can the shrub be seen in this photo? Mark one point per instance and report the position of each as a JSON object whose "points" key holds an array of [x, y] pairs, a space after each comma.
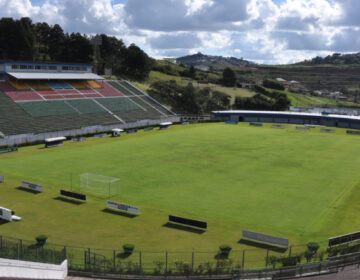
{"points": [[273, 260], [290, 261], [225, 247], [308, 254], [273, 84], [313, 246]]}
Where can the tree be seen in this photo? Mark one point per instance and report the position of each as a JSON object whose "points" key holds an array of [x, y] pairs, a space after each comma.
{"points": [[136, 65], [57, 45], [272, 84], [228, 78]]}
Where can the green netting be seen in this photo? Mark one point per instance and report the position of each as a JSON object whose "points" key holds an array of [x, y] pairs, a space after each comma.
{"points": [[119, 104], [86, 106], [48, 108]]}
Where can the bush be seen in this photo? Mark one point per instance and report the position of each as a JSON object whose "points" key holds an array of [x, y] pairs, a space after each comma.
{"points": [[308, 254], [290, 261], [272, 260], [225, 247], [272, 84], [313, 246]]}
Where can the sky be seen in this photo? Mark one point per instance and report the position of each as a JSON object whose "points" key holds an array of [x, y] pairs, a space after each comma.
{"points": [[263, 31]]}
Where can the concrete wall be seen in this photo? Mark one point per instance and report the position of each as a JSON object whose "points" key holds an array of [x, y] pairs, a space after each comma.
{"points": [[32, 270], [32, 138]]}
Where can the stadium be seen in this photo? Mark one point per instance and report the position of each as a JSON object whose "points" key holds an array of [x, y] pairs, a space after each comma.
{"points": [[263, 183]]}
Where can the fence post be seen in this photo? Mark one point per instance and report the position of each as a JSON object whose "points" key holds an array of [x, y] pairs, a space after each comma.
{"points": [[267, 257], [1, 242], [140, 261], [21, 249], [65, 253], [166, 262], [243, 260], [18, 248], [192, 261], [290, 251], [114, 260]]}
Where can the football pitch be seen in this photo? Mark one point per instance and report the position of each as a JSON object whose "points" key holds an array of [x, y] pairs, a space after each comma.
{"points": [[302, 185]]}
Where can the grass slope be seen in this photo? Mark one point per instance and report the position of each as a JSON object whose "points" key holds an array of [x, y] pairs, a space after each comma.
{"points": [[302, 100], [296, 184]]}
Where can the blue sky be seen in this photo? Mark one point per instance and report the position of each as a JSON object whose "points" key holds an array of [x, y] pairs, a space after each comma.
{"points": [[265, 31]]}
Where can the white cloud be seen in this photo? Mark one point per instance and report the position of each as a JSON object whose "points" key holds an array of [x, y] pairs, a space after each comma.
{"points": [[258, 30]]}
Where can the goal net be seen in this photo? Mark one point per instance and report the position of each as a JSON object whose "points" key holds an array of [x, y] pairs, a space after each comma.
{"points": [[99, 184]]}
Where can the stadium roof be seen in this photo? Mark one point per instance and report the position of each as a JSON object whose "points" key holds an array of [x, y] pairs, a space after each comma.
{"points": [[54, 76], [286, 113]]}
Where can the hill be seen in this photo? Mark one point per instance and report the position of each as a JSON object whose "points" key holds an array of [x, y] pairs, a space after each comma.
{"points": [[200, 60], [334, 59]]}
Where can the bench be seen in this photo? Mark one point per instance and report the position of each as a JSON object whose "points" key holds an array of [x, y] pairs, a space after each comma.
{"points": [[123, 207], [278, 126], [353, 132], [342, 239], [31, 186], [74, 195], [255, 124], [327, 130], [265, 238], [188, 222]]}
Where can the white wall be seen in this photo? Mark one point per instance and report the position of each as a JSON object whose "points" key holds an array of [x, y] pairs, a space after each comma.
{"points": [[32, 270]]}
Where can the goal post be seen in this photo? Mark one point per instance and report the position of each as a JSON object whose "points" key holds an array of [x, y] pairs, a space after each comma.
{"points": [[99, 184]]}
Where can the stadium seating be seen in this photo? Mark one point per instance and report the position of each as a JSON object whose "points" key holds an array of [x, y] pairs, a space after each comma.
{"points": [[23, 95], [86, 106], [59, 85], [131, 88], [68, 96], [78, 84], [46, 92], [62, 109], [121, 88], [50, 108], [108, 91], [118, 104], [38, 85], [19, 85], [93, 84], [53, 97], [5, 86]]}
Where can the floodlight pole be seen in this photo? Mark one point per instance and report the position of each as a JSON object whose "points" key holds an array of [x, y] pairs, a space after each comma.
{"points": [[95, 41]]}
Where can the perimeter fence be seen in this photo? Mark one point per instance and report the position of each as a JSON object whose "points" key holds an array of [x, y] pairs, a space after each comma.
{"points": [[247, 263]]}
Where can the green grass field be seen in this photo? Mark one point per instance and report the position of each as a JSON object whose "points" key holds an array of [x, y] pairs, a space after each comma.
{"points": [[303, 185]]}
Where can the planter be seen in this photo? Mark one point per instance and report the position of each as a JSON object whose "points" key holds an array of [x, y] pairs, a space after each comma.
{"points": [[41, 242], [128, 251], [225, 251], [128, 248]]}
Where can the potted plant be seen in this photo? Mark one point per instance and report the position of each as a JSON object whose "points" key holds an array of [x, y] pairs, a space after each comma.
{"points": [[128, 248], [225, 249], [41, 239]]}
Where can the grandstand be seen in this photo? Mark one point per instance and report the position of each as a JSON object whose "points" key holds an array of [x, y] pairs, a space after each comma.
{"points": [[41, 98]]}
